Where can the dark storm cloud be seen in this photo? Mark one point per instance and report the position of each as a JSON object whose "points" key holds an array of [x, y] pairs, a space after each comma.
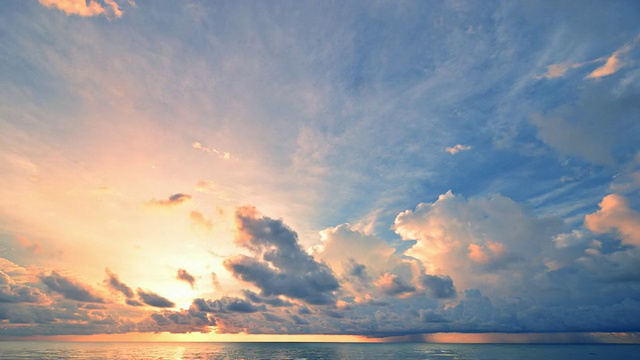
{"points": [[70, 289], [175, 199], [279, 266], [439, 287], [155, 300], [114, 283], [183, 275]]}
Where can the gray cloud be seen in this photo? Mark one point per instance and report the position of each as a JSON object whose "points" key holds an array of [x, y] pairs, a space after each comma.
{"points": [[439, 287], [279, 266], [224, 305], [155, 300], [175, 199], [274, 301], [10, 292], [71, 289], [183, 275], [114, 283], [184, 321]]}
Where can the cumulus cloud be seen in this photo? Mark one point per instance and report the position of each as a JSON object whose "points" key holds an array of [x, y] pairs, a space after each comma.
{"points": [[457, 148], [177, 322], [476, 241], [183, 275], [439, 287], [155, 300], [271, 301], [175, 199], [85, 7], [224, 305], [393, 284], [279, 266], [615, 214], [71, 289], [10, 292], [370, 269]]}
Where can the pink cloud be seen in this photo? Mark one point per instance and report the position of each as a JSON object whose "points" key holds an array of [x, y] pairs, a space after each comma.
{"points": [[457, 148], [610, 67], [615, 214], [84, 8]]}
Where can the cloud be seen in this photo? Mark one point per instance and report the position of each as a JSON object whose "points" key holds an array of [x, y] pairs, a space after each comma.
{"points": [[613, 62], [10, 292], [70, 288], [439, 287], [215, 282], [271, 301], [224, 305], [199, 220], [457, 148], [178, 322], [221, 154], [30, 245], [615, 214], [393, 285], [477, 241], [183, 275], [173, 200], [114, 283], [278, 266], [610, 67], [155, 300], [85, 7]]}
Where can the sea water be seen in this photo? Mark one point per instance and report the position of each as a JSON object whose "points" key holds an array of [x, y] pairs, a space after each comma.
{"points": [[396, 351]]}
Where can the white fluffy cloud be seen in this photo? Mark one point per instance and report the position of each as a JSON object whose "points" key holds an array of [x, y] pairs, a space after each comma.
{"points": [[479, 242], [615, 214]]}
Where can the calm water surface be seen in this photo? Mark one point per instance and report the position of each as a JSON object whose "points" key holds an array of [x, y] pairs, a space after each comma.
{"points": [[400, 351]]}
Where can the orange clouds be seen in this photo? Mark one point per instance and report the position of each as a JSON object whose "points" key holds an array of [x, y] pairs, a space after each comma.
{"points": [[615, 214], [487, 252], [84, 8]]}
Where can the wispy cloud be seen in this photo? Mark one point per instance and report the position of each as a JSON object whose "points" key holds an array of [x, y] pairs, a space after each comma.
{"points": [[611, 65], [199, 220], [173, 200], [613, 62], [210, 150], [85, 8], [457, 148]]}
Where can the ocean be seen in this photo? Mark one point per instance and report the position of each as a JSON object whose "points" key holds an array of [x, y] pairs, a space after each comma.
{"points": [[398, 351]]}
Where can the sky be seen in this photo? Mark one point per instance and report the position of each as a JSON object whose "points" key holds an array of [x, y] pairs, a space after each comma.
{"points": [[361, 171]]}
